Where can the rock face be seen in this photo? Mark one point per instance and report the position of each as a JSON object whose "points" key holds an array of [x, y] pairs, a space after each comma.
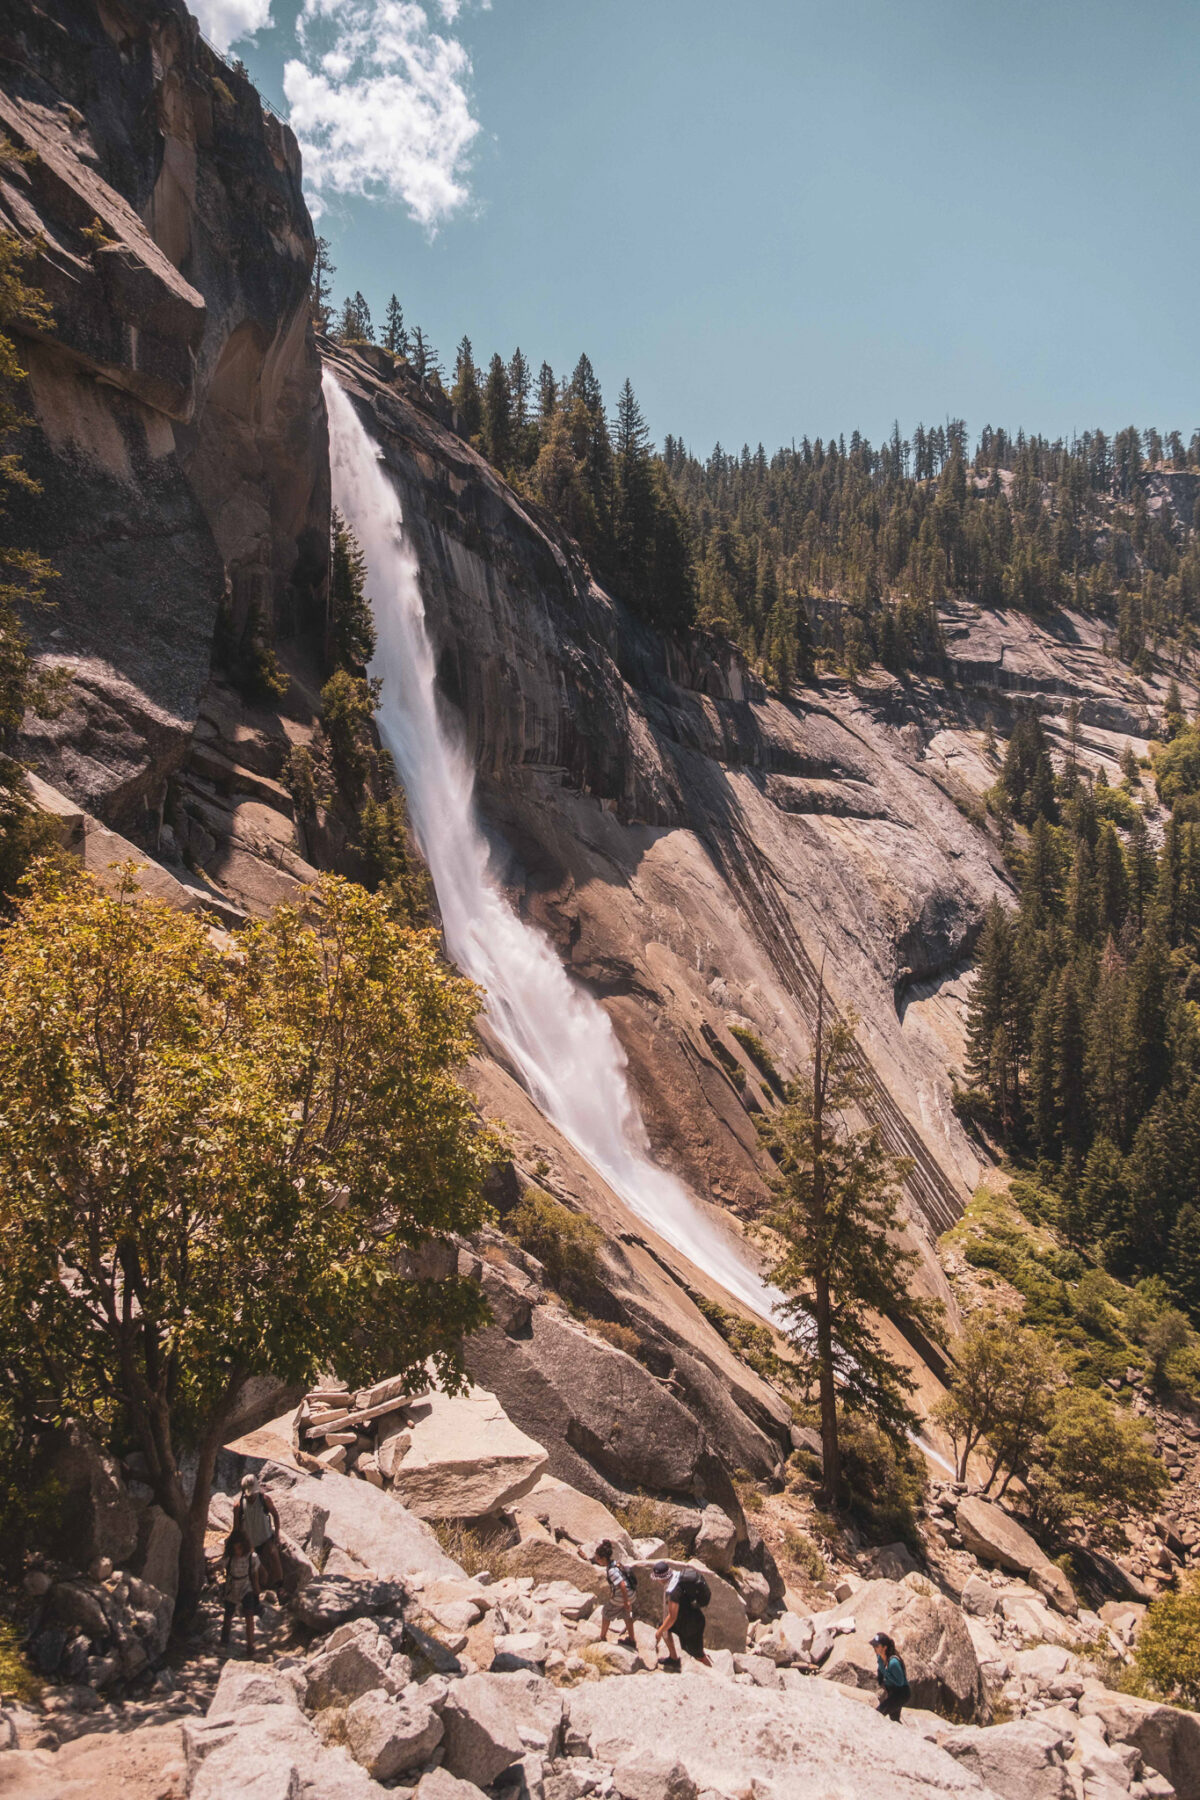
{"points": [[932, 1637], [991, 1533], [806, 1744], [1022, 1760], [465, 1457], [176, 397]]}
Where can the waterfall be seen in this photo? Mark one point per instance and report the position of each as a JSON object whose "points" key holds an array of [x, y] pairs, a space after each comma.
{"points": [[559, 1037]]}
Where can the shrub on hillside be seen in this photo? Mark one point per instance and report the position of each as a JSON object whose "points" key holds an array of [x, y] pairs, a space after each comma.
{"points": [[566, 1244], [1168, 1646]]}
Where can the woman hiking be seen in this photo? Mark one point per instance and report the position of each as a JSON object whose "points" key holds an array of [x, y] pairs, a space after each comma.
{"points": [[890, 1674]]}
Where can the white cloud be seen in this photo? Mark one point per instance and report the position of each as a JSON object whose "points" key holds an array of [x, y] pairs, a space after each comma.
{"points": [[380, 103], [224, 22]]}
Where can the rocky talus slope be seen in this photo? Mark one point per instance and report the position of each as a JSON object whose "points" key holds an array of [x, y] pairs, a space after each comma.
{"points": [[393, 1668]]}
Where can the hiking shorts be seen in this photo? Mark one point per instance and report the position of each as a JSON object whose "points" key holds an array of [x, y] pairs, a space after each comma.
{"points": [[612, 1612], [689, 1629], [890, 1703]]}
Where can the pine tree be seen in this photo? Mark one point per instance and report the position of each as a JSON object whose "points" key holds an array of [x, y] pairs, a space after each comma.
{"points": [[992, 1016], [1112, 883], [1148, 1058], [1184, 1261], [497, 415], [465, 395], [633, 503], [1142, 871], [835, 1214], [351, 625], [321, 287], [1106, 1055], [395, 337], [1069, 1090]]}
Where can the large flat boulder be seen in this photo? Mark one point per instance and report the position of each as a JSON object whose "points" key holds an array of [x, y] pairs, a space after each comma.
{"points": [[464, 1457], [932, 1637], [566, 1512], [811, 1742], [994, 1535], [374, 1528]]}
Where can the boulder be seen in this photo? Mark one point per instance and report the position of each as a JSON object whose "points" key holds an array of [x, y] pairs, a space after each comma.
{"points": [[932, 1637], [465, 1457], [490, 1720], [547, 1561], [755, 1590], [440, 1784], [727, 1617], [989, 1532], [811, 1742], [356, 1666], [1022, 1760], [243, 1685], [789, 1640], [648, 1776], [993, 1663], [374, 1528], [1034, 1620], [97, 1516], [716, 1540], [979, 1596], [1167, 1736], [157, 1558], [389, 1736], [269, 1753], [565, 1512], [891, 1562], [331, 1600]]}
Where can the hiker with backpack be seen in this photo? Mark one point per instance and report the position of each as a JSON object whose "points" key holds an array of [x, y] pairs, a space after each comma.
{"points": [[890, 1673], [622, 1586], [685, 1595]]}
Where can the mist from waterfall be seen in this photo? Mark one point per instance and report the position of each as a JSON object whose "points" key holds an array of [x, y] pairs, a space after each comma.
{"points": [[559, 1037]]}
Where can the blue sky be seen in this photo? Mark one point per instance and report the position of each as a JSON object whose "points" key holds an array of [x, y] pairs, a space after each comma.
{"points": [[778, 218]]}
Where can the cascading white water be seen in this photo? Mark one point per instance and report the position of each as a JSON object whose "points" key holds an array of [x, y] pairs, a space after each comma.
{"points": [[558, 1036]]}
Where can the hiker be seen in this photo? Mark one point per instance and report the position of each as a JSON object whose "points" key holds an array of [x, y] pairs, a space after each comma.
{"points": [[241, 1592], [256, 1515], [685, 1595], [622, 1584], [891, 1676]]}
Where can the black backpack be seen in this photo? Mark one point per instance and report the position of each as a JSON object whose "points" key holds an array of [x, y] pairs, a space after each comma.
{"points": [[691, 1589], [628, 1576]]}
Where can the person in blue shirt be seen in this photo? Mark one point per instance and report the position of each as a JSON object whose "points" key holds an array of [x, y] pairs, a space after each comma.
{"points": [[891, 1676]]}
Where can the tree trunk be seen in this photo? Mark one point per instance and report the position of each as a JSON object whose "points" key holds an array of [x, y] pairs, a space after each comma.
{"points": [[831, 1456], [192, 1569]]}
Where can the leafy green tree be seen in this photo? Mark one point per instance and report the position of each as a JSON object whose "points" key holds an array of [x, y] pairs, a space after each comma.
{"points": [[351, 626], [1094, 1462], [1167, 1657], [215, 1167], [835, 1217], [988, 1393]]}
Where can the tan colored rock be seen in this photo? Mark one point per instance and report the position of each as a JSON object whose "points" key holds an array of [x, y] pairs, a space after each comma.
{"points": [[727, 1620], [466, 1458], [567, 1513], [1168, 1737], [932, 1637], [811, 1742], [995, 1536], [716, 1540], [547, 1561]]}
